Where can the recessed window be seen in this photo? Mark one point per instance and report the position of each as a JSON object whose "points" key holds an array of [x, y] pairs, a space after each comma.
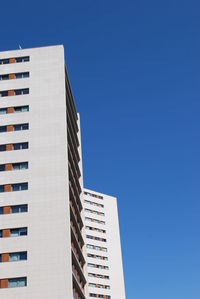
{"points": [[14, 166], [13, 187], [22, 59], [94, 220], [22, 75], [23, 91], [20, 127], [15, 60], [95, 229], [99, 257], [17, 232], [19, 209], [3, 111], [16, 109], [13, 232], [19, 146], [98, 266], [100, 296], [14, 92], [95, 212], [18, 256], [19, 187], [17, 282], [13, 146], [4, 77], [4, 93], [3, 129], [13, 257], [21, 109], [96, 238], [21, 165], [4, 61], [15, 209]]}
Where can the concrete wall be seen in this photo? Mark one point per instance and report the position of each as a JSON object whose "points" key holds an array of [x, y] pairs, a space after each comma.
{"points": [[112, 235], [48, 268]]}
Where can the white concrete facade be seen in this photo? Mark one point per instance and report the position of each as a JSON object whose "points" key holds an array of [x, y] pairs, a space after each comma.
{"points": [[103, 247], [57, 208], [48, 244]]}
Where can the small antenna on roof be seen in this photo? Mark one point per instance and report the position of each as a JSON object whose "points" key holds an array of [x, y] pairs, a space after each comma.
{"points": [[20, 47]]}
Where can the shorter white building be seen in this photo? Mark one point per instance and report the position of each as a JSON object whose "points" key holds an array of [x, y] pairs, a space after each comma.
{"points": [[103, 248]]}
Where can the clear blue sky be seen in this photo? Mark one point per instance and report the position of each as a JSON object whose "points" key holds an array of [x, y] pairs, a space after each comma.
{"points": [[134, 68]]}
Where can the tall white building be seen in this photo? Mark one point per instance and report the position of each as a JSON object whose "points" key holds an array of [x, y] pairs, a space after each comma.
{"points": [[42, 252], [103, 248]]}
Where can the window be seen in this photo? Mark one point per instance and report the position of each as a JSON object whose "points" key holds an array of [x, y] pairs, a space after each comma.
{"points": [[21, 91], [94, 203], [3, 111], [100, 296], [14, 76], [95, 212], [98, 266], [96, 229], [3, 129], [95, 238], [19, 146], [14, 146], [4, 61], [100, 286], [14, 166], [18, 256], [17, 232], [2, 147], [14, 209], [21, 127], [15, 92], [2, 167], [13, 60], [14, 187], [19, 209], [4, 93], [93, 195], [19, 187], [99, 257], [21, 109], [97, 248], [22, 59], [94, 220], [4, 77], [17, 282], [22, 75], [98, 275], [16, 109], [21, 165]]}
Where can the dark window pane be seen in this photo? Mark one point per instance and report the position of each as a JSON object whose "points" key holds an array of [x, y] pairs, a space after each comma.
{"points": [[4, 61], [23, 256], [3, 111], [2, 167], [3, 129], [25, 145], [3, 93], [22, 59], [24, 186], [23, 231], [2, 148]]}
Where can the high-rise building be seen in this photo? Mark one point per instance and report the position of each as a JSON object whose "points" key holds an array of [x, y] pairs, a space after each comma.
{"points": [[42, 251], [103, 248]]}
